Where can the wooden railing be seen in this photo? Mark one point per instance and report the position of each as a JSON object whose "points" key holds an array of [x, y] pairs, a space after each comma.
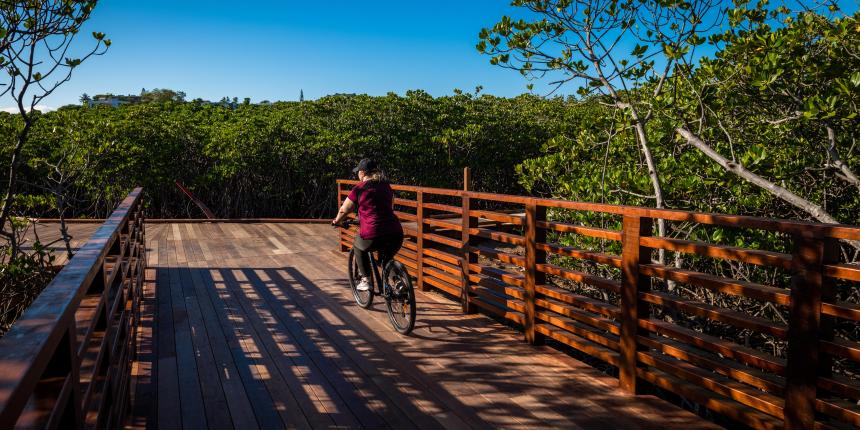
{"points": [[500, 254], [65, 362]]}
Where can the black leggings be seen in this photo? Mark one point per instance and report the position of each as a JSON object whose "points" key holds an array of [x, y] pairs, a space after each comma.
{"points": [[387, 246]]}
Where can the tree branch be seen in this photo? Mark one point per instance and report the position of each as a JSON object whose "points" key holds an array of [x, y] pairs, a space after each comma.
{"points": [[814, 210]]}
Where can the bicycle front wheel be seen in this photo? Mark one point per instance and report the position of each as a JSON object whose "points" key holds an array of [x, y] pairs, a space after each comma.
{"points": [[400, 299], [362, 298]]}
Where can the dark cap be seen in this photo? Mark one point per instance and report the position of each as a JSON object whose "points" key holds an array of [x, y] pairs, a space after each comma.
{"points": [[365, 164]]}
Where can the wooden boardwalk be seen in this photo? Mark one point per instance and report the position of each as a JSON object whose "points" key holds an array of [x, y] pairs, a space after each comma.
{"points": [[253, 326], [48, 234]]}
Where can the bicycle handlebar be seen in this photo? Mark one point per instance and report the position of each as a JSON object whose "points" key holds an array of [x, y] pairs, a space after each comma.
{"points": [[348, 222]]}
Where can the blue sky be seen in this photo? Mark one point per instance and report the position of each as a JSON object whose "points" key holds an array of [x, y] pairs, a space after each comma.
{"points": [[273, 49], [270, 50]]}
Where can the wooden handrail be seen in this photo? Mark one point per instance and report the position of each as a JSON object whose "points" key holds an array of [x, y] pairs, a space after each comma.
{"points": [[463, 257], [804, 228], [54, 351]]}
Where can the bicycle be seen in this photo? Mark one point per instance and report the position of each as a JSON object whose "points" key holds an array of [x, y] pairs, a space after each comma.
{"points": [[396, 290]]}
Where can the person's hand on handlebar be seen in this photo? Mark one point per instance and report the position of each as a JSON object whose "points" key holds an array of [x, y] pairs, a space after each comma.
{"points": [[341, 218]]}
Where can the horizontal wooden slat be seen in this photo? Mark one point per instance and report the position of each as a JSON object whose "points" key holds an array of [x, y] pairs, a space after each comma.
{"points": [[727, 349], [86, 317], [410, 245], [576, 276], [443, 208], [442, 239], [405, 202], [562, 227], [428, 190], [567, 251], [587, 303], [496, 309], [441, 275], [751, 256], [714, 313], [757, 399], [840, 409], [505, 276], [512, 239], [724, 285], [748, 375], [848, 311], [840, 385], [396, 187], [582, 330], [442, 265], [497, 286], [842, 348], [500, 300], [579, 343], [444, 224], [711, 400], [409, 263], [498, 216], [580, 315], [504, 257], [408, 253], [444, 256], [405, 216], [453, 290], [850, 272]]}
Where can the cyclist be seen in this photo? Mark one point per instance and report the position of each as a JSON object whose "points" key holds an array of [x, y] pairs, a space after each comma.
{"points": [[379, 229]]}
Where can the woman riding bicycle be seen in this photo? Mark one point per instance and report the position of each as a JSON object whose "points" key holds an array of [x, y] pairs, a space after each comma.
{"points": [[379, 228]]}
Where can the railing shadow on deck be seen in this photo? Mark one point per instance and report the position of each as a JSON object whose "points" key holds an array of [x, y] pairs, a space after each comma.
{"points": [[467, 365], [500, 254], [293, 326]]}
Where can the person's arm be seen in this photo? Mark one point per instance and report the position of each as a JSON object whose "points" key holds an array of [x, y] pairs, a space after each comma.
{"points": [[347, 207]]}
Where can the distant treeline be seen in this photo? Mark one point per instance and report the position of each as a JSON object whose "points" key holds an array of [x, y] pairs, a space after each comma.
{"points": [[278, 160], [282, 160]]}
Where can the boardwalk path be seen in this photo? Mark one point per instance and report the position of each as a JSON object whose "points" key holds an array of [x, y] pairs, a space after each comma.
{"points": [[253, 325]]}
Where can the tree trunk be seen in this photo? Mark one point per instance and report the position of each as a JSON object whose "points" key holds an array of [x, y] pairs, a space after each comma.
{"points": [[12, 182], [64, 228], [655, 182]]}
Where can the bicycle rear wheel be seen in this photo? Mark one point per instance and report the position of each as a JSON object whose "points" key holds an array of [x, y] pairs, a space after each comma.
{"points": [[400, 299], [362, 298]]}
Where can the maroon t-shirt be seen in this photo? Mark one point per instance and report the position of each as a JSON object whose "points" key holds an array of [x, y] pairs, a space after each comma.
{"points": [[375, 209]]}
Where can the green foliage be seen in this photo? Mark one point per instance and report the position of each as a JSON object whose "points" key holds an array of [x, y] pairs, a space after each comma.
{"points": [[159, 95], [283, 159], [22, 277]]}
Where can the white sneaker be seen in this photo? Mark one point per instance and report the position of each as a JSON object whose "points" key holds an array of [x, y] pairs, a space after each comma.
{"points": [[364, 285]]}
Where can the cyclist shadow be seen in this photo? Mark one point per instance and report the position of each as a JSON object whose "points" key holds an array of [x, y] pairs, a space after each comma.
{"points": [[439, 318]]}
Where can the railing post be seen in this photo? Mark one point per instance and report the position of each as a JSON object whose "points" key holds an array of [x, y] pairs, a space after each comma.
{"points": [[534, 277], [632, 308], [341, 235], [419, 240], [467, 256], [62, 366], [76, 396], [807, 327]]}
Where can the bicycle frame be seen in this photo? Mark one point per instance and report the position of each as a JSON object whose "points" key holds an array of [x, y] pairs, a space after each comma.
{"points": [[377, 273], [374, 266]]}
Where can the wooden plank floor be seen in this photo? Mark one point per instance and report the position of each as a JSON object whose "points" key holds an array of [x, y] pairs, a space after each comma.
{"points": [[48, 234], [253, 326]]}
